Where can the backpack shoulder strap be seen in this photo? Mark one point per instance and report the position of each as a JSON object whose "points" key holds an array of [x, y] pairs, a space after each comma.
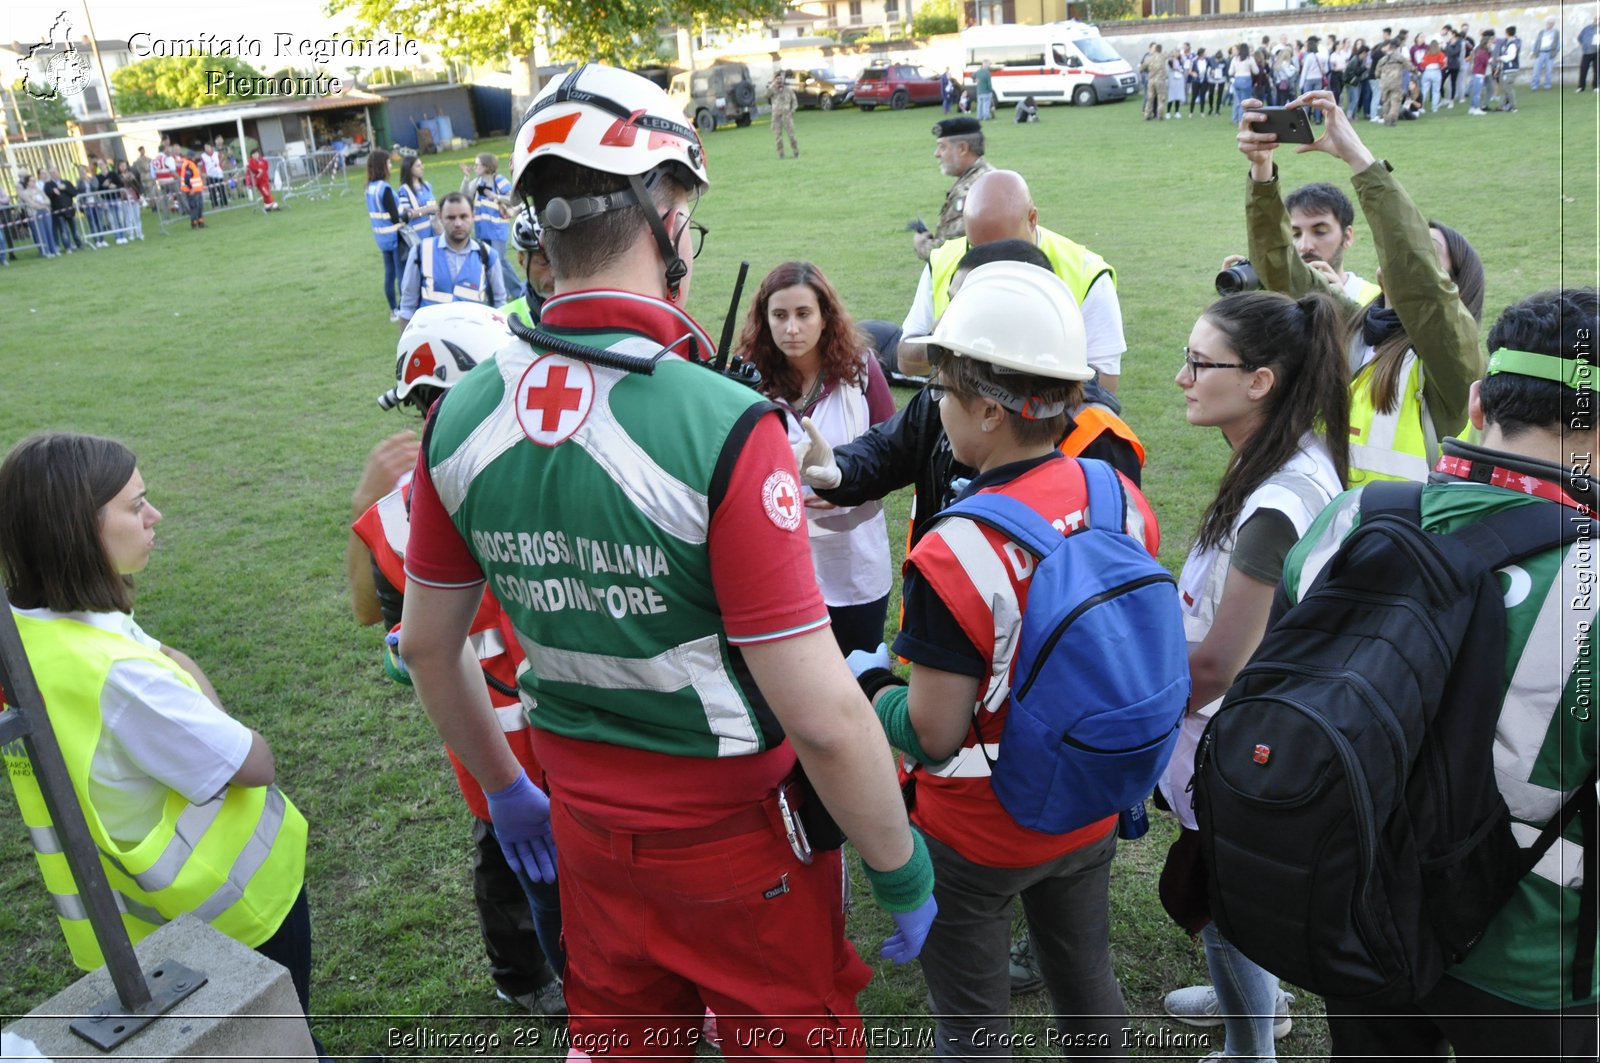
{"points": [[1523, 531], [1011, 518], [1396, 498], [1108, 504]]}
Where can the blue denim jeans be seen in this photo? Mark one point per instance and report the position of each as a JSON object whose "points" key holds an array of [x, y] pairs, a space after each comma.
{"points": [[1241, 92], [1247, 995], [394, 270], [1543, 66], [544, 903], [1477, 91]]}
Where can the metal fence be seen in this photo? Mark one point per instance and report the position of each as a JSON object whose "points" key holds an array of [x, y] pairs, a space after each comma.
{"points": [[313, 175], [111, 214]]}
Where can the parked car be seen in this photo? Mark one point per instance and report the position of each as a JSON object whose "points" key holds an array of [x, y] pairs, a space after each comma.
{"points": [[843, 87], [811, 92], [715, 95], [897, 85]]}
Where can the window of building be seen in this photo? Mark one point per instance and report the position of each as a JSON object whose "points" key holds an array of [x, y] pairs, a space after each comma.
{"points": [[855, 12]]}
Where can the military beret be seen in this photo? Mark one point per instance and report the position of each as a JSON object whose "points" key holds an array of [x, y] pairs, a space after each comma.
{"points": [[955, 127]]}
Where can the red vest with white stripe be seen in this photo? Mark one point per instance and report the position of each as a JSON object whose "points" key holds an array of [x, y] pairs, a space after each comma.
{"points": [[982, 577], [385, 527]]}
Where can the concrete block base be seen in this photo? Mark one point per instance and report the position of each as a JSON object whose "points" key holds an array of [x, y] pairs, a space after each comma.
{"points": [[247, 1008]]}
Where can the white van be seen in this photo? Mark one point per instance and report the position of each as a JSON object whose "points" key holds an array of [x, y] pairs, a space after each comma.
{"points": [[1056, 62]]}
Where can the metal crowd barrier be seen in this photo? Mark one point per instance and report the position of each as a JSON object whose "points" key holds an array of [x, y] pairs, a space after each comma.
{"points": [[16, 231], [110, 213]]}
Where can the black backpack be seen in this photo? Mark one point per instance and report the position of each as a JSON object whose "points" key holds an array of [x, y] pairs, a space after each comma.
{"points": [[1355, 841]]}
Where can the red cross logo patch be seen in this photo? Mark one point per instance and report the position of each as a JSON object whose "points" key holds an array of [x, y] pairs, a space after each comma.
{"points": [[553, 399], [780, 497], [1262, 754]]}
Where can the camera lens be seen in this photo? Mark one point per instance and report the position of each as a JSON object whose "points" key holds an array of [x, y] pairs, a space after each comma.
{"points": [[388, 400], [1238, 278]]}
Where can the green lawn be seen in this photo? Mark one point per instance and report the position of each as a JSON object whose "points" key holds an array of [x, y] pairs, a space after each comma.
{"points": [[242, 362]]}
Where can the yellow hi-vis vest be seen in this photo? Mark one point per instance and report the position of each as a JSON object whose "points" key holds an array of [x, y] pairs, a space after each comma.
{"points": [[1075, 264], [238, 861], [1401, 445]]}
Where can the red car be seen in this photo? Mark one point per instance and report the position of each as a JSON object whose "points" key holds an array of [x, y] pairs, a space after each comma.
{"points": [[897, 85]]}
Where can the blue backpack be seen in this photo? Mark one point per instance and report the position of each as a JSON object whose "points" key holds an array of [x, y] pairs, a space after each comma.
{"points": [[1101, 676]]}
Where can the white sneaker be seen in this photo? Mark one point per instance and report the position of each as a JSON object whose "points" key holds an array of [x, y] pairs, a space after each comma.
{"points": [[1197, 1006], [394, 315]]}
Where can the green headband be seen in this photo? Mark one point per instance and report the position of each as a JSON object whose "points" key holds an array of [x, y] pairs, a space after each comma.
{"points": [[1569, 371]]}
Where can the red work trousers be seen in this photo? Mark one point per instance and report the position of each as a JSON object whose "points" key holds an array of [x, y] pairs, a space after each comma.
{"points": [[655, 936]]}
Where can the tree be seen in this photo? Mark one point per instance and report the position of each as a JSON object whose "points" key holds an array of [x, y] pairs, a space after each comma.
{"points": [[935, 16], [40, 118], [620, 32], [163, 83], [1115, 10]]}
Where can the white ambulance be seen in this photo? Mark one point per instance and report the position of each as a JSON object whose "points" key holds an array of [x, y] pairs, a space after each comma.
{"points": [[1053, 63]]}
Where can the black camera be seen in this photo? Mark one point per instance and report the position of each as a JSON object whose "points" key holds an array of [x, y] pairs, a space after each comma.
{"points": [[1240, 277]]}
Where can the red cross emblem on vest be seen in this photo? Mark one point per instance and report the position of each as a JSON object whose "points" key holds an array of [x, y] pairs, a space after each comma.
{"points": [[780, 497], [553, 399]]}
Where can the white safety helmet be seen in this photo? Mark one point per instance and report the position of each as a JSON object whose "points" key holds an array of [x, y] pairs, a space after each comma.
{"points": [[525, 235], [1016, 317], [609, 120], [441, 344], [614, 122]]}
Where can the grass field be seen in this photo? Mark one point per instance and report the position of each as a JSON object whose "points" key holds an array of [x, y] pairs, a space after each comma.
{"points": [[242, 362]]}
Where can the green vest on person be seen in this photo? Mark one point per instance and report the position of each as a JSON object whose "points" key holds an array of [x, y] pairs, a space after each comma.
{"points": [[595, 542], [1545, 737], [237, 861], [1072, 262]]}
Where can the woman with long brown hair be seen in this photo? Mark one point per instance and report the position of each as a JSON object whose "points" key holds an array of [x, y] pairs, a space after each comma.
{"points": [[1269, 372], [818, 366]]}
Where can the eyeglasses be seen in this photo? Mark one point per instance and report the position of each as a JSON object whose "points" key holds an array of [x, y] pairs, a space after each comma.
{"points": [[1194, 365], [697, 236]]}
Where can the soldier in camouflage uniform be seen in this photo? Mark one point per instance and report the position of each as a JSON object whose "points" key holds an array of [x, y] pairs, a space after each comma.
{"points": [[1391, 70], [783, 104], [1154, 66], [960, 155]]}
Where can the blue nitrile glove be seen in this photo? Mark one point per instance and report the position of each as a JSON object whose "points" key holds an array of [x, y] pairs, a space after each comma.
{"points": [[861, 661], [905, 943], [521, 817]]}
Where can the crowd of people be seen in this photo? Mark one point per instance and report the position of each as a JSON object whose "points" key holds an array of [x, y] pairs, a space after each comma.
{"points": [[105, 203], [644, 601], [1398, 77]]}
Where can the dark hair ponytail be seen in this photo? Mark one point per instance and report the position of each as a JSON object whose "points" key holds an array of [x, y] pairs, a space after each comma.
{"points": [[1303, 343]]}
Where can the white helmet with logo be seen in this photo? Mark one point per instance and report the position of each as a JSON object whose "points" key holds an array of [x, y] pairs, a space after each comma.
{"points": [[609, 120], [613, 122], [1016, 317], [440, 345]]}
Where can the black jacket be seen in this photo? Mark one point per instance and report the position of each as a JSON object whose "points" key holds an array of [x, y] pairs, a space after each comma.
{"points": [[911, 448]]}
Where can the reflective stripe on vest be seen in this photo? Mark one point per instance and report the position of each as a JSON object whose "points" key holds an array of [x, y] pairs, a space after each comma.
{"points": [[383, 227], [246, 845], [693, 666], [469, 285], [1391, 446], [985, 569], [1072, 262], [487, 221]]}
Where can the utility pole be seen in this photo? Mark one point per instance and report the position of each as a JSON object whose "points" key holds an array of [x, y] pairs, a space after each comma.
{"points": [[94, 46]]}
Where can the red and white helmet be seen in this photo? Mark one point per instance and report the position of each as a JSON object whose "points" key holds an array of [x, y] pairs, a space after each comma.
{"points": [[441, 344], [609, 120]]}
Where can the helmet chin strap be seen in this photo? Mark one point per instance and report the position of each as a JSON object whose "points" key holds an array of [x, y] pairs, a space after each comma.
{"points": [[677, 268]]}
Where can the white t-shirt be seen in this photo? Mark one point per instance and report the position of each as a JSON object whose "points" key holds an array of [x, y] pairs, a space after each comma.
{"points": [[1353, 285], [157, 735], [1102, 320]]}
